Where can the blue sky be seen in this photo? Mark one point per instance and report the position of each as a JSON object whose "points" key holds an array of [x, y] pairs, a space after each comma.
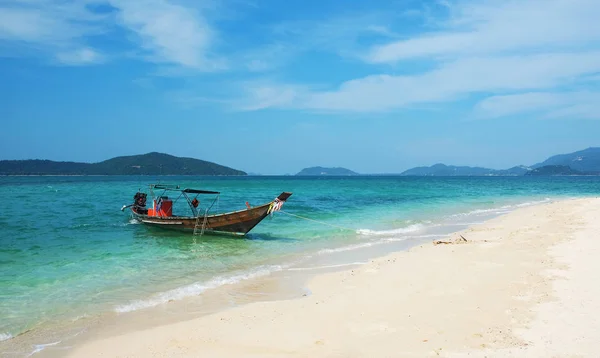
{"points": [[272, 87]]}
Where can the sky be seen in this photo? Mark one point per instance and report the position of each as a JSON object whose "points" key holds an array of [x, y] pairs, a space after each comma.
{"points": [[271, 87]]}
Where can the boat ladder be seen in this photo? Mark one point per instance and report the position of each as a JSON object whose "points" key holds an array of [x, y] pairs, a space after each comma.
{"points": [[203, 223]]}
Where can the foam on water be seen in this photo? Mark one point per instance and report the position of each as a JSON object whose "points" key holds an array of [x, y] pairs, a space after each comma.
{"points": [[462, 224], [500, 210], [83, 316], [41, 347], [346, 248], [530, 203], [380, 241], [403, 230], [397, 239], [197, 288], [5, 336], [505, 209], [374, 243]]}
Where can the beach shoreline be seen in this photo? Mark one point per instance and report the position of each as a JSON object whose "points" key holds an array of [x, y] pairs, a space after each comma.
{"points": [[283, 278], [482, 296]]}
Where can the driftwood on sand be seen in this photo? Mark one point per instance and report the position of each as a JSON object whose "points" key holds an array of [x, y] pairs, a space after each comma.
{"points": [[459, 240]]}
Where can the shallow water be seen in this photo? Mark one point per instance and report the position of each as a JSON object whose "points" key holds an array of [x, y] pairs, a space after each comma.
{"points": [[67, 251]]}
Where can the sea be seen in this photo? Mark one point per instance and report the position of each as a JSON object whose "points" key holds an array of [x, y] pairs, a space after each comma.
{"points": [[69, 255]]}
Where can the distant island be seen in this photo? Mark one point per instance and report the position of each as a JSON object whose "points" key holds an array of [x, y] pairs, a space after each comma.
{"points": [[451, 170], [583, 162], [326, 171], [146, 164], [554, 170]]}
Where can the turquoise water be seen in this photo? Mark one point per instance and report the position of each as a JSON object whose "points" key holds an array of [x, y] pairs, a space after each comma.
{"points": [[67, 251]]}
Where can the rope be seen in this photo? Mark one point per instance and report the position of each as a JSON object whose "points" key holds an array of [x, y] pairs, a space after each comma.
{"points": [[317, 221]]}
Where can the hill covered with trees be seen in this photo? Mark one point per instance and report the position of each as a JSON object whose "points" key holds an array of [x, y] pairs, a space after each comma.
{"points": [[144, 164]]}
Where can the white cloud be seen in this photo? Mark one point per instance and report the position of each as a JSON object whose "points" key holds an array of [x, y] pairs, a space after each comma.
{"points": [[573, 105], [523, 55], [144, 82], [81, 56], [167, 32], [339, 34], [266, 94], [587, 110], [50, 26], [451, 81], [496, 26], [492, 47], [267, 57], [171, 33]]}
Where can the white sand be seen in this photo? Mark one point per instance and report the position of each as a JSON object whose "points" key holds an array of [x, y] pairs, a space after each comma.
{"points": [[526, 284]]}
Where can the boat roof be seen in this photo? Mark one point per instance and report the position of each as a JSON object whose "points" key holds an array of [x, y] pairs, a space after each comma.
{"points": [[186, 190]]}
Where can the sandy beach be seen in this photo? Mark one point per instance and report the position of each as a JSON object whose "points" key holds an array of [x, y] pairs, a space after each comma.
{"points": [[522, 285]]}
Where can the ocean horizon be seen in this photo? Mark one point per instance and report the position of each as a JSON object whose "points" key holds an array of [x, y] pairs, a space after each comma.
{"points": [[68, 252]]}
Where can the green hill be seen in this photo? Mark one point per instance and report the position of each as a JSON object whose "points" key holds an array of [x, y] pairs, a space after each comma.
{"points": [[554, 170], [587, 160], [583, 162], [451, 170], [42, 167], [145, 164], [326, 171]]}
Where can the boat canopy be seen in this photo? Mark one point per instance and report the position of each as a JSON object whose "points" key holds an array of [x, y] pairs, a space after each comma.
{"points": [[196, 191], [186, 190]]}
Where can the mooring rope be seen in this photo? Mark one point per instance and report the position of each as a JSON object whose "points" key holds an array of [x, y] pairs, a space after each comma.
{"points": [[317, 221]]}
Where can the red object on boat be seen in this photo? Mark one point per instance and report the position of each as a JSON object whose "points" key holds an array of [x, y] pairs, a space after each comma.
{"points": [[164, 209]]}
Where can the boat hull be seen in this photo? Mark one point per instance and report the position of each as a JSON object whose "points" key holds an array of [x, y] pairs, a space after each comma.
{"points": [[237, 223]]}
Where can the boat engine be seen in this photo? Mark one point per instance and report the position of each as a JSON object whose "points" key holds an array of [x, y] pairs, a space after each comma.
{"points": [[139, 200]]}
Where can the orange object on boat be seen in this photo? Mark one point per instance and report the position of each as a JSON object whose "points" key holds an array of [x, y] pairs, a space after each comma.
{"points": [[164, 209]]}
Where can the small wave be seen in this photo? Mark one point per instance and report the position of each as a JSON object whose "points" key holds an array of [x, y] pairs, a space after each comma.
{"points": [[462, 224], [366, 244], [503, 209], [133, 222], [483, 211], [529, 203], [5, 336], [77, 226], [346, 248], [326, 266], [197, 288], [83, 316], [41, 347], [403, 230]]}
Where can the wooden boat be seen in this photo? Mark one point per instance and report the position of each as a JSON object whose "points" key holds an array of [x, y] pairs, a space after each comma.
{"points": [[200, 222]]}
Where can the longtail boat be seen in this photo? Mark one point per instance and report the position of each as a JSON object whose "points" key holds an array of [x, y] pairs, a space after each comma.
{"points": [[200, 222]]}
